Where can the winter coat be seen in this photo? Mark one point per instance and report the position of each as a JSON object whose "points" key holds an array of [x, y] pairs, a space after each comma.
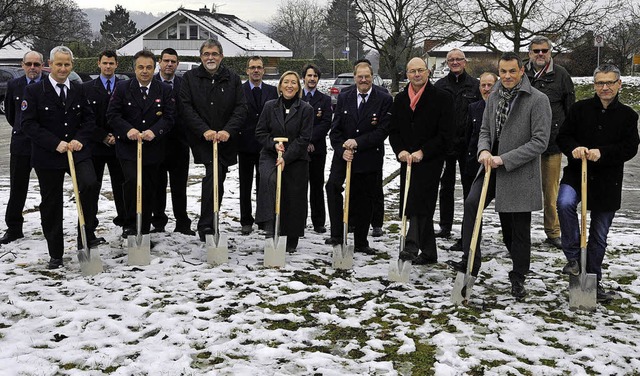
{"points": [[321, 104], [557, 85], [297, 127], [212, 102], [247, 142], [465, 90], [523, 139], [423, 129], [614, 131], [99, 101], [474, 121], [20, 143]]}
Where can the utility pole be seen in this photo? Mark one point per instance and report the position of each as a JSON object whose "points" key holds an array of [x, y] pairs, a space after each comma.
{"points": [[348, 59]]}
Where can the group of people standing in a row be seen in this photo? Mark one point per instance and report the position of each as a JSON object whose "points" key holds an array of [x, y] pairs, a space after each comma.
{"points": [[519, 126]]}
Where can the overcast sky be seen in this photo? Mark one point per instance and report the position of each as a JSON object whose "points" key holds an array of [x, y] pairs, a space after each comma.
{"points": [[248, 10]]}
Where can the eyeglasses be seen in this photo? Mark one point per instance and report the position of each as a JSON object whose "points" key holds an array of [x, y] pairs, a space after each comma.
{"points": [[539, 50], [419, 71], [455, 59], [608, 83], [30, 64], [211, 54], [255, 67]]}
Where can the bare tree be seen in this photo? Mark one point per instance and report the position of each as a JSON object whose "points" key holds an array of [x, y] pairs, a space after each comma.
{"points": [[516, 21], [298, 24]]}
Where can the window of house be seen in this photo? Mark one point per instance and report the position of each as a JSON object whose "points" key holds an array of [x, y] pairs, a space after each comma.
{"points": [[193, 31], [183, 31], [173, 32]]}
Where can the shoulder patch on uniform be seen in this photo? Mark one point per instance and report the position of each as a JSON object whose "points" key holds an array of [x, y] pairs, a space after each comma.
{"points": [[24, 105]]}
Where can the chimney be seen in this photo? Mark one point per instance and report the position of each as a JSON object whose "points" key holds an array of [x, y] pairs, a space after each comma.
{"points": [[205, 9], [247, 35]]}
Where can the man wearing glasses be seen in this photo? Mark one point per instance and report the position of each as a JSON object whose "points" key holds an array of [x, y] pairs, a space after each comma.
{"points": [[555, 82], [465, 90], [256, 94], [214, 110], [20, 160], [605, 132]]}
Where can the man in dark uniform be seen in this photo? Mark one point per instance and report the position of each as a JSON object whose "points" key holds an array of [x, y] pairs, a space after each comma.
{"points": [[20, 160], [141, 108], [317, 149], [359, 128], [214, 109], [464, 90], [57, 118], [98, 93], [176, 158], [256, 93]]}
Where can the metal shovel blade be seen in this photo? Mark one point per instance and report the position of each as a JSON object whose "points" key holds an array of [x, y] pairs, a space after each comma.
{"points": [[342, 256], [139, 250], [217, 254], [582, 292], [462, 288], [399, 271], [90, 262], [274, 253]]}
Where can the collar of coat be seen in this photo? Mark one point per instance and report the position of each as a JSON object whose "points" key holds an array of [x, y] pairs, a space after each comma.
{"points": [[532, 72], [526, 86], [615, 103], [462, 77], [222, 74]]}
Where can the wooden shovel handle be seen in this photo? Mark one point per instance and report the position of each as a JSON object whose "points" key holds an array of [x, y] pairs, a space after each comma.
{"points": [[478, 223], [139, 177], [583, 205], [76, 192], [347, 191], [279, 140], [216, 203], [407, 181]]}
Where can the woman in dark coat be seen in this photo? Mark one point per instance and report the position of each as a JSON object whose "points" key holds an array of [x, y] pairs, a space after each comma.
{"points": [[289, 117], [421, 120]]}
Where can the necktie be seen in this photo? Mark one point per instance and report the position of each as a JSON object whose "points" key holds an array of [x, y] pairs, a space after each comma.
{"points": [[31, 81], [143, 89], [257, 96], [63, 98], [362, 103], [168, 82], [309, 96], [109, 87]]}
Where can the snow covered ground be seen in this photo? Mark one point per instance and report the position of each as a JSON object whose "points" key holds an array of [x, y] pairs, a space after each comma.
{"points": [[180, 316]]}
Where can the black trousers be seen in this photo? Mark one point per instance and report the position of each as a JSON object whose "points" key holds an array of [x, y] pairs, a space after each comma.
{"points": [[363, 195], [447, 188], [247, 164], [176, 165], [19, 172], [420, 235], [378, 204], [206, 203], [51, 208], [316, 189], [117, 179], [335, 201], [149, 183], [516, 230]]}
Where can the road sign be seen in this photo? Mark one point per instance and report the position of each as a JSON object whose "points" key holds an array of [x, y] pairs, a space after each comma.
{"points": [[636, 59], [598, 41]]}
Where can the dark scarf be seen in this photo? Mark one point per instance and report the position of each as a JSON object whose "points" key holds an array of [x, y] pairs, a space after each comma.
{"points": [[506, 97]]}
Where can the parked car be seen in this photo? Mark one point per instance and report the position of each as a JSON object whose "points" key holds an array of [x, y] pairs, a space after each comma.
{"points": [[439, 73], [185, 66], [7, 73], [73, 76], [344, 80]]}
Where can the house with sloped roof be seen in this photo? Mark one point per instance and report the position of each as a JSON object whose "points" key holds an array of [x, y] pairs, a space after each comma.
{"points": [[185, 30], [14, 52]]}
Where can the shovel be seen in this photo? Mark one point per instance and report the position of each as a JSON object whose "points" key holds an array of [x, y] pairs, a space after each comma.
{"points": [[217, 248], [275, 248], [583, 287], [399, 270], [89, 264], [464, 282], [139, 246], [343, 253]]}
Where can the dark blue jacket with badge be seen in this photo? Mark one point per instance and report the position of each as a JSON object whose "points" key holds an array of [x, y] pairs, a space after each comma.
{"points": [[128, 110], [99, 101], [47, 122], [321, 104], [20, 143]]}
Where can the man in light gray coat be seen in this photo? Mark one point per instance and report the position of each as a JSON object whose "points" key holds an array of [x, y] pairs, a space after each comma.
{"points": [[515, 132]]}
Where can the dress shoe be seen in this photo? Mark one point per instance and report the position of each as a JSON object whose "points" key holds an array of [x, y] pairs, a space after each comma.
{"points": [[156, 230], [333, 241], [377, 232], [517, 289], [366, 250], [572, 268], [290, 249], [443, 233], [246, 229], [203, 232], [185, 231], [10, 236], [320, 229], [55, 263], [351, 228], [604, 296], [424, 260], [408, 254], [457, 246], [556, 242], [93, 243], [458, 266], [127, 231]]}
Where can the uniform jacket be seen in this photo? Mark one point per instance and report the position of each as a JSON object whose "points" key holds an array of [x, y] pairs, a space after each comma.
{"points": [[614, 131], [20, 143], [127, 110], [474, 121], [99, 101], [465, 90], [523, 139], [369, 130], [423, 129], [247, 142], [557, 85], [47, 122], [178, 134], [321, 104], [212, 102]]}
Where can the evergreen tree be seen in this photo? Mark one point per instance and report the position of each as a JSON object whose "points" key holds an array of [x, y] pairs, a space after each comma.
{"points": [[117, 28]]}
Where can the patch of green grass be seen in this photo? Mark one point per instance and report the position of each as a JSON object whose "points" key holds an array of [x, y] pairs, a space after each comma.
{"points": [[422, 359], [204, 355], [310, 278], [548, 362], [203, 284], [89, 348], [111, 369], [42, 346], [355, 354], [286, 324]]}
